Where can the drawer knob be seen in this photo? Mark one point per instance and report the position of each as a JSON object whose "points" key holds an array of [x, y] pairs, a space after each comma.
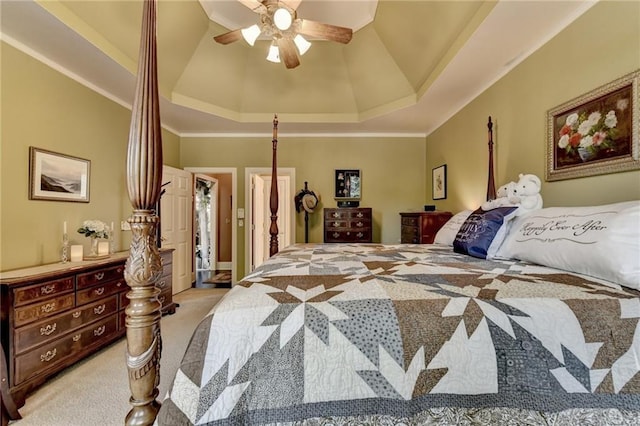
{"points": [[161, 299], [336, 214], [99, 276], [162, 283], [336, 224], [119, 270], [359, 224], [76, 337], [100, 291], [49, 307], [360, 214], [47, 289], [336, 235], [77, 314], [100, 330], [360, 234], [48, 329], [49, 355], [98, 310]]}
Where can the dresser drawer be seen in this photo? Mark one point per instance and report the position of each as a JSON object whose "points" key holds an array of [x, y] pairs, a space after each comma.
{"points": [[44, 290], [99, 276], [97, 292], [410, 221], [31, 313], [41, 332], [49, 356], [164, 282], [354, 236]]}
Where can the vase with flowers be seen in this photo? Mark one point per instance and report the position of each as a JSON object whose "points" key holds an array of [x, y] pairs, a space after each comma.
{"points": [[588, 134], [94, 229]]}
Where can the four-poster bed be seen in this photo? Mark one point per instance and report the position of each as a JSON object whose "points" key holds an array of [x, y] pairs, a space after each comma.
{"points": [[374, 333]]}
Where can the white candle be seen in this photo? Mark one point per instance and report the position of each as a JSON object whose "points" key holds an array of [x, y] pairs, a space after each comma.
{"points": [[65, 227], [76, 253], [103, 248]]}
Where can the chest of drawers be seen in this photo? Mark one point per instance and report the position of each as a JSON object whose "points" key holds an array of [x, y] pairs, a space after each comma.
{"points": [[421, 227], [348, 225], [55, 315]]}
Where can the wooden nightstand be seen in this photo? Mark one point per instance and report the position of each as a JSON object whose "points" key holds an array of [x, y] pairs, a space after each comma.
{"points": [[421, 227]]}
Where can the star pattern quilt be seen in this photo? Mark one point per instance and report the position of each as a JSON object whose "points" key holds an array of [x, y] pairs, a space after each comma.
{"points": [[387, 334]]}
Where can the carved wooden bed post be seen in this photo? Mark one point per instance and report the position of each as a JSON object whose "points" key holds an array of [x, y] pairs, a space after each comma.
{"points": [[143, 267], [273, 198], [491, 186]]}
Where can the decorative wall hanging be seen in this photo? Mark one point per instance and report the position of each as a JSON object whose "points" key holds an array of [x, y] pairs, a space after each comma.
{"points": [[58, 177], [596, 133], [439, 182]]}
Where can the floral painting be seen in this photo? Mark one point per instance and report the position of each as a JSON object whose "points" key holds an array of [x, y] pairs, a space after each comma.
{"points": [[596, 133]]}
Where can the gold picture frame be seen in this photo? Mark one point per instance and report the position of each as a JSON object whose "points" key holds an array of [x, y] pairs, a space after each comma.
{"points": [[596, 133], [58, 177]]}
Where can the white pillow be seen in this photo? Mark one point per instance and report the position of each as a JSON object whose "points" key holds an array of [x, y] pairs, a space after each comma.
{"points": [[449, 230], [599, 241]]}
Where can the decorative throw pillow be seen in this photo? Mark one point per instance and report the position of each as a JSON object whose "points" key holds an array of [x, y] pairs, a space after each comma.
{"points": [[482, 232], [599, 241], [448, 232]]}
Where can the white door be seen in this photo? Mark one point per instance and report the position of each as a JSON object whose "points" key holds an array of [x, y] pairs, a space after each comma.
{"points": [[261, 216], [176, 207]]}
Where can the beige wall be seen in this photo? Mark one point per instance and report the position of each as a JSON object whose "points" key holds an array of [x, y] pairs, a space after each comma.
{"points": [[45, 109], [599, 47], [393, 177]]}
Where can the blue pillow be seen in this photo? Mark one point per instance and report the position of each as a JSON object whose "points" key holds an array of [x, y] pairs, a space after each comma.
{"points": [[483, 232]]}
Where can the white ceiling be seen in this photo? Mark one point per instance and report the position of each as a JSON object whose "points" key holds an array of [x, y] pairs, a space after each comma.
{"points": [[96, 44]]}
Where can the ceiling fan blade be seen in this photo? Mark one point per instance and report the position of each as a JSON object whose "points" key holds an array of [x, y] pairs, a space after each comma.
{"points": [[288, 53], [254, 5], [293, 4], [325, 31], [229, 37]]}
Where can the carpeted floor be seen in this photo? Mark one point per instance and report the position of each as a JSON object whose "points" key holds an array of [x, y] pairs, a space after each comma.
{"points": [[96, 391]]}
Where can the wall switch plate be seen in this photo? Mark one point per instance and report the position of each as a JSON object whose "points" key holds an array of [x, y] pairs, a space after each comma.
{"points": [[240, 213], [241, 223]]}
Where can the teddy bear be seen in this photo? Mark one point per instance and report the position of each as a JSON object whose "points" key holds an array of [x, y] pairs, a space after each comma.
{"points": [[527, 190], [505, 196]]}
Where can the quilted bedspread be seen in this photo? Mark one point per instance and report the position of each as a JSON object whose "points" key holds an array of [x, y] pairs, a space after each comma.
{"points": [[387, 334]]}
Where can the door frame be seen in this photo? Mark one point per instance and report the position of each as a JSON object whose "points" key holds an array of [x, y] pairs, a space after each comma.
{"points": [[233, 171], [248, 202]]}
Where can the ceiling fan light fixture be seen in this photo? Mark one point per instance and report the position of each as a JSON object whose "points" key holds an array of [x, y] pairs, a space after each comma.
{"points": [[302, 44], [283, 19], [274, 53], [250, 34]]}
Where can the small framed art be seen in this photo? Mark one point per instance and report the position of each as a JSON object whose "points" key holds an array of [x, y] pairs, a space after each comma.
{"points": [[58, 177], [439, 182], [347, 184]]}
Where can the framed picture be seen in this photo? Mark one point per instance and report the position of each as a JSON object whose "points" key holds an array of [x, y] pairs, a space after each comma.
{"points": [[58, 177], [439, 181], [596, 133], [348, 184]]}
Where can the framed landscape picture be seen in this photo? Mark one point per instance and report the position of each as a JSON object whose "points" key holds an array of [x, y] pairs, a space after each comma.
{"points": [[596, 133], [58, 177]]}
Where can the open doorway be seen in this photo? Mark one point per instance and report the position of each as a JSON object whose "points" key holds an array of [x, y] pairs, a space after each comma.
{"points": [[258, 182], [214, 256], [205, 224]]}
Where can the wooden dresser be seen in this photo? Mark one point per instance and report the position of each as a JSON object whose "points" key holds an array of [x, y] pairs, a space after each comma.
{"points": [[348, 225], [54, 315], [421, 227]]}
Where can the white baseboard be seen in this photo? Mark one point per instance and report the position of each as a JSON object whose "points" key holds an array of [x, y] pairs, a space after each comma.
{"points": [[224, 266]]}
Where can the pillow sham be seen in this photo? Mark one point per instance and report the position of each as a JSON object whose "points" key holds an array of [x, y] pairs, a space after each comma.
{"points": [[482, 232], [599, 241], [448, 232]]}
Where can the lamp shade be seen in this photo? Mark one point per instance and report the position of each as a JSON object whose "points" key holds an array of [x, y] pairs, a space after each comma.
{"points": [[250, 34], [282, 18], [274, 53], [302, 44]]}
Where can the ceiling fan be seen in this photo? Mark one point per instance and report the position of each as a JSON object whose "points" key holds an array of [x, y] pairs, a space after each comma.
{"points": [[279, 21]]}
